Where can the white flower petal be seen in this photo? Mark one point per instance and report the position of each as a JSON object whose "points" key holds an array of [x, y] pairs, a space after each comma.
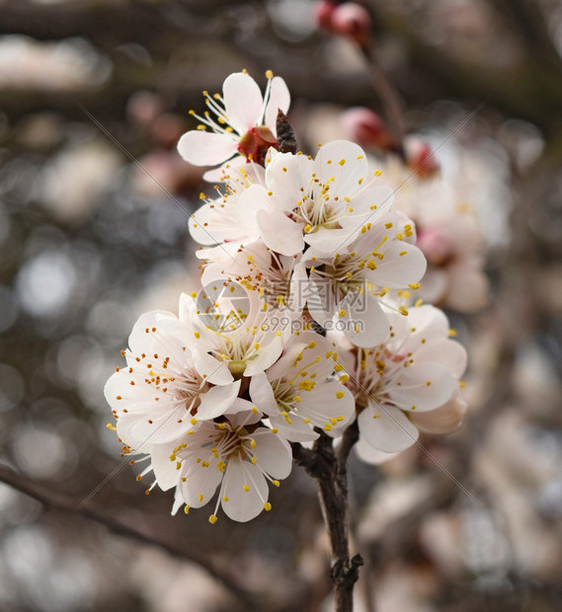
{"points": [[386, 429], [214, 371], [267, 355], [273, 453], [279, 99], [448, 353], [167, 476], [262, 394], [280, 233], [421, 387], [371, 455], [217, 400], [242, 101], [445, 419], [403, 264], [330, 406], [245, 489], [346, 162], [201, 482], [207, 148], [365, 322]]}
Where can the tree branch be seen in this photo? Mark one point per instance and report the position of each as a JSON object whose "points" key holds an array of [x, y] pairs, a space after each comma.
{"points": [[62, 503], [331, 477]]}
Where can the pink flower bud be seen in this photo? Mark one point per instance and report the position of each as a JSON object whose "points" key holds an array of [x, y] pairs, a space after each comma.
{"points": [[365, 127], [144, 107], [420, 158], [434, 246], [353, 20], [323, 14]]}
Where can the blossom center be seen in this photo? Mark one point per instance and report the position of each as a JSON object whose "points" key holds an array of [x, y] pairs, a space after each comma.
{"points": [[255, 143]]}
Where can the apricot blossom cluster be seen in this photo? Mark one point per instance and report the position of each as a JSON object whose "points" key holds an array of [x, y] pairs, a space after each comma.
{"points": [[306, 318]]}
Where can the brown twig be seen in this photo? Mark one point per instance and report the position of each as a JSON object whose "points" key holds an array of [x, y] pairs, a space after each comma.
{"points": [[392, 107], [331, 475], [62, 503]]}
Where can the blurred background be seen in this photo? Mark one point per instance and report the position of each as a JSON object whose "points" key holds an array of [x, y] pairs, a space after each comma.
{"points": [[94, 202]]}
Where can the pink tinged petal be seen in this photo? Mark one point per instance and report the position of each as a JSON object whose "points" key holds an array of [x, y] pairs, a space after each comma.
{"points": [[448, 353], [365, 322], [273, 454], [245, 489], [346, 162], [242, 101], [279, 99], [414, 393], [443, 420], [280, 233], [386, 429], [207, 148], [167, 476], [262, 394], [371, 455], [402, 264], [217, 400]]}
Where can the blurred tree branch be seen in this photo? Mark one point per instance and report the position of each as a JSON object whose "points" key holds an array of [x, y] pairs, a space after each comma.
{"points": [[531, 90], [57, 501]]}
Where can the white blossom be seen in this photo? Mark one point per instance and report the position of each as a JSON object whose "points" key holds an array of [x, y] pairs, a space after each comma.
{"points": [[244, 121], [233, 347], [236, 454], [278, 278], [346, 286], [322, 202], [298, 393], [415, 370], [160, 394]]}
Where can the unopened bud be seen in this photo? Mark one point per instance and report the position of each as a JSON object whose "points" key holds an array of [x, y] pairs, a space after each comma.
{"points": [[353, 20], [434, 245], [366, 128], [323, 11], [420, 158]]}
